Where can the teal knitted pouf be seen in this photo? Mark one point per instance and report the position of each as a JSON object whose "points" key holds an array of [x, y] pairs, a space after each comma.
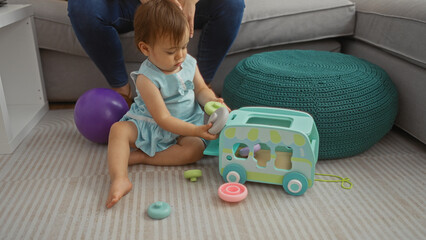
{"points": [[354, 102]]}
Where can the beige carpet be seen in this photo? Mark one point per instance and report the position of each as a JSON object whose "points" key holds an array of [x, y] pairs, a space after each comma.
{"points": [[55, 184]]}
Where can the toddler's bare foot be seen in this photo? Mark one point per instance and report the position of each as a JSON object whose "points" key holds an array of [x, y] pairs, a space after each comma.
{"points": [[119, 188]]}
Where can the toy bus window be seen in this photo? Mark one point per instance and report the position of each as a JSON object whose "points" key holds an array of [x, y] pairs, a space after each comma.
{"points": [[283, 157], [263, 156], [279, 122], [241, 151]]}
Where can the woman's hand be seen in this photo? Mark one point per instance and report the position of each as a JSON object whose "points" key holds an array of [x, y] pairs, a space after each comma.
{"points": [[220, 100], [188, 8]]}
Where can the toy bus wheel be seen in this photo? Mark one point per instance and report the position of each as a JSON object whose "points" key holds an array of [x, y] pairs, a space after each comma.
{"points": [[295, 183], [234, 173]]}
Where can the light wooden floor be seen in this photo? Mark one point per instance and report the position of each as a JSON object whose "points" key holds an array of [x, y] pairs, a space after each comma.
{"points": [[55, 185]]}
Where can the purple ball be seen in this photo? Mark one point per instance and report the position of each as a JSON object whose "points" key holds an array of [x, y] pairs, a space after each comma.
{"points": [[95, 112]]}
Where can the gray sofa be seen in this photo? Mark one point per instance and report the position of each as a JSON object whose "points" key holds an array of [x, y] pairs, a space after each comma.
{"points": [[389, 33]]}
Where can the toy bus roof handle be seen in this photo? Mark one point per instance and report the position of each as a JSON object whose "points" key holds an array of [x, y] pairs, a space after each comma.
{"points": [[274, 117]]}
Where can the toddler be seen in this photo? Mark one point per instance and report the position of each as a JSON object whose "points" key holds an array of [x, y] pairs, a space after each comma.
{"points": [[165, 123]]}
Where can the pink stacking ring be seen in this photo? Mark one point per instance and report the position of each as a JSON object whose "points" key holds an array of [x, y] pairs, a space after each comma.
{"points": [[232, 192]]}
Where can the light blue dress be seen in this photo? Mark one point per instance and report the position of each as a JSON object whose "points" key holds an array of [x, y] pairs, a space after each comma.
{"points": [[177, 91]]}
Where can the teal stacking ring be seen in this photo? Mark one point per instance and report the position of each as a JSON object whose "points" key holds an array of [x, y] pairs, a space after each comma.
{"points": [[159, 210]]}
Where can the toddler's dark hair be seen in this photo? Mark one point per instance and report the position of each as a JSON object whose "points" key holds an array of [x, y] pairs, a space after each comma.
{"points": [[159, 18]]}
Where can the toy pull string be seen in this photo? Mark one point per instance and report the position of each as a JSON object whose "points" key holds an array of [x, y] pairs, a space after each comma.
{"points": [[342, 180]]}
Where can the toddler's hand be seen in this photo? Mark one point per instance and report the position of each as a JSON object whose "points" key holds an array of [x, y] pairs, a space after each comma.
{"points": [[220, 100], [202, 131]]}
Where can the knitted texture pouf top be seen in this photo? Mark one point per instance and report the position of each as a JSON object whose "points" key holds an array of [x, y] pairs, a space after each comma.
{"points": [[353, 102]]}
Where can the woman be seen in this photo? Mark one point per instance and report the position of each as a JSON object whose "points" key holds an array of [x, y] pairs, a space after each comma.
{"points": [[98, 23]]}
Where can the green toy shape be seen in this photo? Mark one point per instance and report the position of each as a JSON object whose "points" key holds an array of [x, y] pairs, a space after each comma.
{"points": [[212, 106], [193, 174]]}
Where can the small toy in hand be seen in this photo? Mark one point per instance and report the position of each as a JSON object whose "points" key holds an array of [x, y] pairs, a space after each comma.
{"points": [[218, 116]]}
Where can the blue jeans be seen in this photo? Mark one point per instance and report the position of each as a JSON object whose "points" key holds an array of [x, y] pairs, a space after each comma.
{"points": [[98, 23]]}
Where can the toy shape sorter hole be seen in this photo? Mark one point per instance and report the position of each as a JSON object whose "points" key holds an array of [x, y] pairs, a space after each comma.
{"points": [[263, 155], [241, 150], [283, 157], [244, 151]]}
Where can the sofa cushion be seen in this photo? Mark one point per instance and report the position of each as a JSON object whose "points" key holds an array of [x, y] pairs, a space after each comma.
{"points": [[54, 30], [265, 23], [270, 23], [398, 27]]}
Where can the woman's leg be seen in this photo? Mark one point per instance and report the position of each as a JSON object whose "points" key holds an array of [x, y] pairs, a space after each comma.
{"points": [[220, 21], [97, 25]]}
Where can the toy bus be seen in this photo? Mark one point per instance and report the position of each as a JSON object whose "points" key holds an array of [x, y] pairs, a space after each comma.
{"points": [[268, 145]]}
